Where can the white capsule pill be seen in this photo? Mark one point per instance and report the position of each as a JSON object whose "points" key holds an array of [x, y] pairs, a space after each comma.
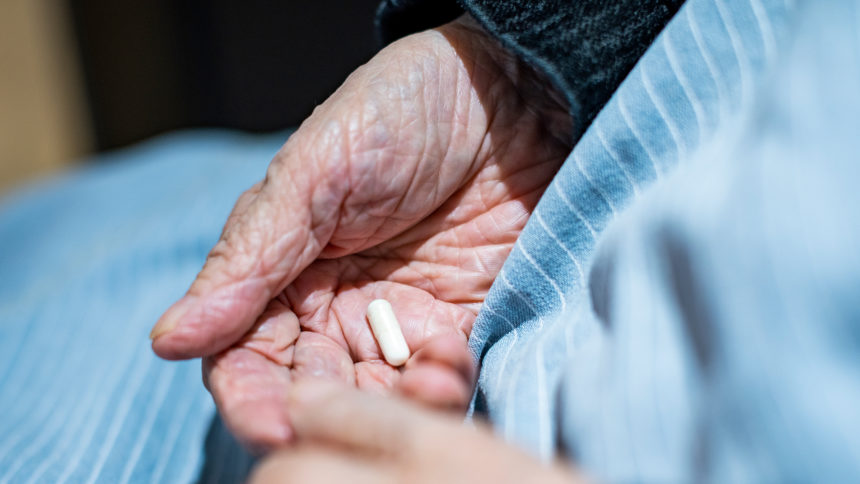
{"points": [[386, 329]]}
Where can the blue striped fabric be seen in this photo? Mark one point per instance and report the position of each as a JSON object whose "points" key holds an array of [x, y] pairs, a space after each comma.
{"points": [[83, 399], [724, 343], [88, 262], [697, 77]]}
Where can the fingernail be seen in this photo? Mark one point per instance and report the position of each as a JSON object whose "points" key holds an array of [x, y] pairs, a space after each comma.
{"points": [[170, 319]]}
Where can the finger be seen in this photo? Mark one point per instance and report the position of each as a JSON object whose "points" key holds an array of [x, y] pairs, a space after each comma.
{"points": [[250, 392], [249, 382], [436, 386], [451, 350], [336, 415], [441, 374], [251, 389], [274, 232], [389, 431], [305, 464]]}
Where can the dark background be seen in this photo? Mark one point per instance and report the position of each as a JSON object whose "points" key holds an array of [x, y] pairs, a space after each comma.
{"points": [[152, 66]]}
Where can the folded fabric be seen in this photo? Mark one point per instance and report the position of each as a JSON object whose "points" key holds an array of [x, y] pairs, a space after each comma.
{"points": [[698, 76]]}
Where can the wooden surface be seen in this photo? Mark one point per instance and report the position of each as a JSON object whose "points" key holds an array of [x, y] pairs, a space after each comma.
{"points": [[43, 122]]}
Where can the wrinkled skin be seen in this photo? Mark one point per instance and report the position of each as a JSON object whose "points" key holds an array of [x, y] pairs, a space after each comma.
{"points": [[410, 183]]}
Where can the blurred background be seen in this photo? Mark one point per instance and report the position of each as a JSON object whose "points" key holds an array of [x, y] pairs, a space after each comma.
{"points": [[79, 77]]}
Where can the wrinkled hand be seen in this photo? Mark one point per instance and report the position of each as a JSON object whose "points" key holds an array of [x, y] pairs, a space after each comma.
{"points": [[344, 435], [411, 183]]}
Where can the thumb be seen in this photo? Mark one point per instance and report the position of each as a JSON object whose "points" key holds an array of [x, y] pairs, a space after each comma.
{"points": [[332, 413], [276, 229]]}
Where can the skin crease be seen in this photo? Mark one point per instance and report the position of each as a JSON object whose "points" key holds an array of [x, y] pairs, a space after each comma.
{"points": [[410, 183]]}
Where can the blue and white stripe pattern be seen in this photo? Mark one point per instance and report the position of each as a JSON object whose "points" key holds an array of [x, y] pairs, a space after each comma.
{"points": [[724, 331], [88, 262], [82, 399], [698, 76]]}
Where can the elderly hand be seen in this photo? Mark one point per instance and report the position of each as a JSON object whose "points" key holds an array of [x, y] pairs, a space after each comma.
{"points": [[348, 436], [411, 183]]}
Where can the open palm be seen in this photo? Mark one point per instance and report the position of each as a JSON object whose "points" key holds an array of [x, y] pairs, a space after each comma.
{"points": [[411, 183]]}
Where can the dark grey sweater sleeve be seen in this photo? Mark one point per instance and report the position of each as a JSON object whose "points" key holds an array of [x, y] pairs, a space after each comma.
{"points": [[584, 47]]}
